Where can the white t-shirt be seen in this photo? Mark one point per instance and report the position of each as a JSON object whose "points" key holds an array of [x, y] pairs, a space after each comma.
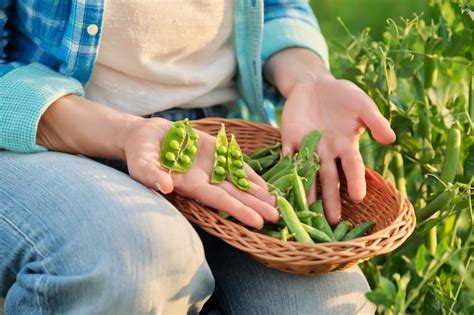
{"points": [[159, 54]]}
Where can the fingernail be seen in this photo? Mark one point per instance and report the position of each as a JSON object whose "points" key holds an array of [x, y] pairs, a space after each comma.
{"points": [[158, 186]]}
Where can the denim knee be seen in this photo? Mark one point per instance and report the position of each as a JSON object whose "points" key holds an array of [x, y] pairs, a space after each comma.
{"points": [[150, 270], [84, 238]]}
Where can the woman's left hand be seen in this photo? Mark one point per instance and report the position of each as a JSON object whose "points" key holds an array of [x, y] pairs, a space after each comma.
{"points": [[316, 100], [341, 110]]}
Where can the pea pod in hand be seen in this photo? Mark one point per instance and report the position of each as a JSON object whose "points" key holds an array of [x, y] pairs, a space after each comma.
{"points": [[235, 164], [186, 157], [179, 147], [219, 171]]}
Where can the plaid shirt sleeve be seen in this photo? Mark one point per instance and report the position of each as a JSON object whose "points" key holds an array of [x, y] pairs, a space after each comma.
{"points": [[288, 23], [26, 91], [291, 23]]}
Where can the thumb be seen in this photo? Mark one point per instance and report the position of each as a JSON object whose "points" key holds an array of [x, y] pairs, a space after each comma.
{"points": [[153, 176], [288, 146], [163, 182]]}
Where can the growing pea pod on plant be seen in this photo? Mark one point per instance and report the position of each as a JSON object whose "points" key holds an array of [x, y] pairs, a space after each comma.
{"points": [[437, 204], [179, 147], [235, 165], [452, 155], [219, 170], [399, 173]]}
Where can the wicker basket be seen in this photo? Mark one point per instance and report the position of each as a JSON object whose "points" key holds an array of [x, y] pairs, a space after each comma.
{"points": [[394, 216]]}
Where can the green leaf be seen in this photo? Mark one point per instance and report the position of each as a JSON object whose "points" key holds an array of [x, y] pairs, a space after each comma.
{"points": [[460, 43], [379, 298], [469, 162], [387, 286], [431, 304], [421, 260]]}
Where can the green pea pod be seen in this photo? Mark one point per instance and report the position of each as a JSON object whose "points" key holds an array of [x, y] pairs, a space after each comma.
{"points": [[235, 164], [303, 215], [290, 196], [283, 163], [316, 234], [186, 157], [310, 176], [283, 184], [284, 171], [291, 220], [341, 229], [399, 173], [271, 233], [358, 231], [269, 160], [301, 202], [438, 203], [320, 221], [219, 170], [262, 164], [246, 158], [264, 151], [173, 155], [255, 165], [452, 155], [223, 214], [431, 72], [309, 145]]}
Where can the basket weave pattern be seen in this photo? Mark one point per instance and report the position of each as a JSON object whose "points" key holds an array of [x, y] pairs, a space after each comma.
{"points": [[393, 214]]}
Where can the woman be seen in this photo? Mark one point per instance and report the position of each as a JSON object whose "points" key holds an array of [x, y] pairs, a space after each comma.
{"points": [[80, 80]]}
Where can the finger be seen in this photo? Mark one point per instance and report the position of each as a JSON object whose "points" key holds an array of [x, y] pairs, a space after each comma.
{"points": [[262, 194], [354, 170], [254, 177], [267, 211], [218, 198], [151, 175], [378, 125], [330, 187], [288, 141]]}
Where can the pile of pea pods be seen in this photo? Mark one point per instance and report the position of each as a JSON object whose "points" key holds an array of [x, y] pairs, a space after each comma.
{"points": [[290, 178]]}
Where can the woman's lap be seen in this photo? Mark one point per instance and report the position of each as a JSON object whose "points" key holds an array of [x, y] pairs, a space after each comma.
{"points": [[79, 237], [69, 220], [244, 286]]}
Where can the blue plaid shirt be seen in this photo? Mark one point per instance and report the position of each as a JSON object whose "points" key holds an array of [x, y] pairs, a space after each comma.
{"points": [[48, 49]]}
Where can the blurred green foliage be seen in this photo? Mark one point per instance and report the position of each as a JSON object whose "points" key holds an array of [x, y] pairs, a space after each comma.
{"points": [[359, 14]]}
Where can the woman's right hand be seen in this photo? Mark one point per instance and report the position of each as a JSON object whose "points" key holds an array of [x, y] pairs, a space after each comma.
{"points": [[141, 144]]}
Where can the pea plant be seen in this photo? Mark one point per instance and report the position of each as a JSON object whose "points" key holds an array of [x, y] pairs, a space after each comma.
{"points": [[421, 77]]}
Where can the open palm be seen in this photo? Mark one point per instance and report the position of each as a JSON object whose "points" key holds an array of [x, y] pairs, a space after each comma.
{"points": [[142, 153], [342, 111]]}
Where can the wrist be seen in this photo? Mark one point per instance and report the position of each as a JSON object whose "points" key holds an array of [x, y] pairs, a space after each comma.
{"points": [[294, 66]]}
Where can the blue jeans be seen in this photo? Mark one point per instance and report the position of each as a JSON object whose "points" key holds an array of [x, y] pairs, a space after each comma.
{"points": [[79, 237]]}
